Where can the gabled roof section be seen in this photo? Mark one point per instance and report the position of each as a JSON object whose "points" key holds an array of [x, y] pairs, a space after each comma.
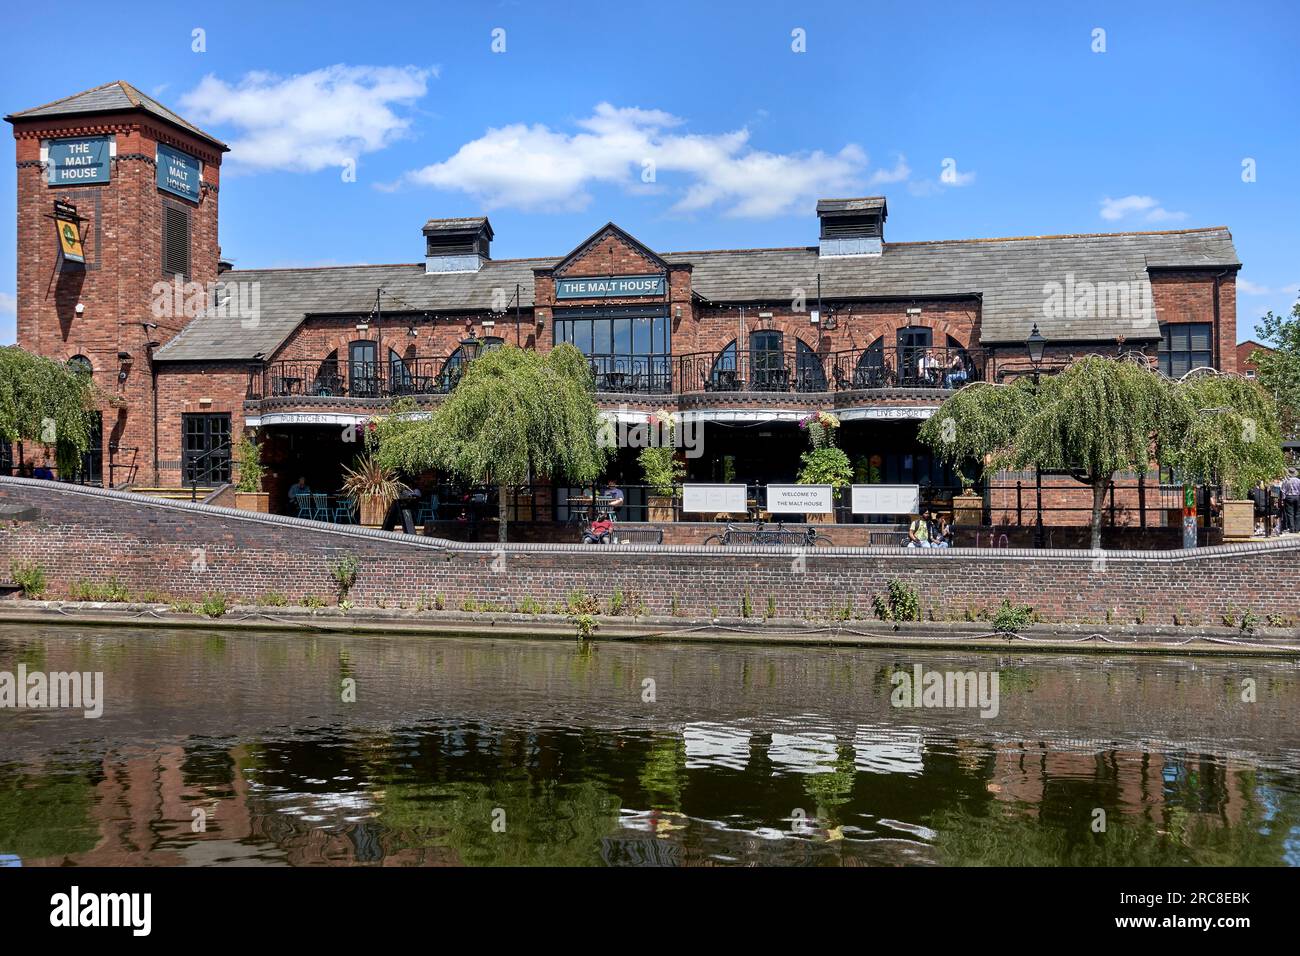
{"points": [[611, 229], [116, 97]]}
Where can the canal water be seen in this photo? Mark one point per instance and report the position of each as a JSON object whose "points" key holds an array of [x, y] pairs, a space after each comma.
{"points": [[235, 748]]}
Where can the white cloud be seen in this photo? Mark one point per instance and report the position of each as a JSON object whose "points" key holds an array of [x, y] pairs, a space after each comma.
{"points": [[1146, 208], [537, 168], [310, 121], [8, 319], [1246, 287]]}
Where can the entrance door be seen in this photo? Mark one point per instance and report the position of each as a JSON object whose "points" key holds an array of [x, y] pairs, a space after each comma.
{"points": [[363, 370], [92, 462], [767, 369], [913, 342], [206, 453]]}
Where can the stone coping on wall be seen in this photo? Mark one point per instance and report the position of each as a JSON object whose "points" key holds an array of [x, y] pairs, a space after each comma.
{"points": [[1000, 555]]}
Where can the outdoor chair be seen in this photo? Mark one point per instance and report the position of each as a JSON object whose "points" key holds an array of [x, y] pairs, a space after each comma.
{"points": [[428, 511], [320, 507], [345, 511], [304, 505]]}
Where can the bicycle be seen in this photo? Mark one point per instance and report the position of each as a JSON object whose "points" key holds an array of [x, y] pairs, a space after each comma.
{"points": [[760, 534]]}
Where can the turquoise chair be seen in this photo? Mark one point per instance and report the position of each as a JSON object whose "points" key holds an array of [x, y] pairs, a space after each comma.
{"points": [[345, 511]]}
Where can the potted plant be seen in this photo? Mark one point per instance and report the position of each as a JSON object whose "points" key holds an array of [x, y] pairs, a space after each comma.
{"points": [[662, 469], [967, 507], [373, 487], [249, 495], [825, 463]]}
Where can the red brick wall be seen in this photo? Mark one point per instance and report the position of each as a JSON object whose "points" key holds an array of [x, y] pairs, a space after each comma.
{"points": [[90, 534], [1190, 297], [124, 261]]}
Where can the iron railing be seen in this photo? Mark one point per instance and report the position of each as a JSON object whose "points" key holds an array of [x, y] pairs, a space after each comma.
{"points": [[730, 370]]}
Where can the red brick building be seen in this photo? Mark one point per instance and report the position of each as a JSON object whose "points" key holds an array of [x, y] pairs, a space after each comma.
{"points": [[1245, 364], [742, 342]]}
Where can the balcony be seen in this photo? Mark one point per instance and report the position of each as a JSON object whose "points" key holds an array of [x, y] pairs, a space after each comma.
{"points": [[699, 373]]}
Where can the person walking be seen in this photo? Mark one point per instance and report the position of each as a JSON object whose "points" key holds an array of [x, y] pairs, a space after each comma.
{"points": [[1291, 502]]}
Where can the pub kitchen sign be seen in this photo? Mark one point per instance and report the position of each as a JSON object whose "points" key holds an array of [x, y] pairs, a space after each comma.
{"points": [[608, 287]]}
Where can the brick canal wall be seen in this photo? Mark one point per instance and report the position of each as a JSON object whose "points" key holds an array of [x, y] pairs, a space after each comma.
{"points": [[186, 551]]}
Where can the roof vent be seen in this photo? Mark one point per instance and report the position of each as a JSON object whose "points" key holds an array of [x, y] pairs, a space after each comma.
{"points": [[852, 227], [457, 245]]}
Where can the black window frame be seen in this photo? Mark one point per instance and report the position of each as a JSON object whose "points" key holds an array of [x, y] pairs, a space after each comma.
{"points": [[1194, 358]]}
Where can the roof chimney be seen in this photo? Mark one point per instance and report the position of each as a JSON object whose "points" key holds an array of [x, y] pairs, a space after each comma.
{"points": [[852, 227], [457, 245]]}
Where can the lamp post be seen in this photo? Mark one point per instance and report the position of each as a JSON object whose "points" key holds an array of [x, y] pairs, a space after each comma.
{"points": [[1035, 345], [470, 344]]}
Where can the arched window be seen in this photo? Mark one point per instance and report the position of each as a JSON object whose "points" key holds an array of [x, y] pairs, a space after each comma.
{"points": [[399, 374], [871, 370], [79, 363], [328, 381], [810, 373], [452, 368]]}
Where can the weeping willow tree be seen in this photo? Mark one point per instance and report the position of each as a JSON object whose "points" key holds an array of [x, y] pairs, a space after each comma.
{"points": [[1095, 418], [1233, 436], [47, 402], [515, 414]]}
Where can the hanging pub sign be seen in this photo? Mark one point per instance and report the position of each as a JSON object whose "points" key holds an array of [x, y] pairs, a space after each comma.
{"points": [[179, 173], [76, 162], [594, 287], [68, 224]]}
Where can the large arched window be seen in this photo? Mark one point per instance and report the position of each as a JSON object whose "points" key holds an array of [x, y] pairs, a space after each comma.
{"points": [[454, 366], [328, 381], [809, 372], [79, 363], [872, 369]]}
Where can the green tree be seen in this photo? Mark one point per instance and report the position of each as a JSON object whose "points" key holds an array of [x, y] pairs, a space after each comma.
{"points": [[1096, 417], [1232, 436], [1279, 370], [515, 414], [47, 402]]}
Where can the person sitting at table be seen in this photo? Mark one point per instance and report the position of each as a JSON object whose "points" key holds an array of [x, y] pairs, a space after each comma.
{"points": [[298, 490], [918, 532], [956, 376], [928, 368], [615, 494]]}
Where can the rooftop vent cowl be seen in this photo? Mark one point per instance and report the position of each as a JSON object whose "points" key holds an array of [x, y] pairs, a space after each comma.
{"points": [[457, 245], [852, 227]]}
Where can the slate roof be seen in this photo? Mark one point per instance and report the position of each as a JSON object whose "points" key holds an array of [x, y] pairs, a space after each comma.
{"points": [[114, 97], [1008, 274]]}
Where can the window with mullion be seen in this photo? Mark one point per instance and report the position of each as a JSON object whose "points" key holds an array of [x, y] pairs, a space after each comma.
{"points": [[1185, 346]]}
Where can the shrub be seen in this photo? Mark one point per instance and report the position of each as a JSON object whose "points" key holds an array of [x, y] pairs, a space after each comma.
{"points": [[250, 466], [580, 602], [585, 625], [899, 603], [29, 576], [771, 606], [272, 599], [214, 605], [344, 572], [312, 601], [1012, 617], [746, 605], [111, 590]]}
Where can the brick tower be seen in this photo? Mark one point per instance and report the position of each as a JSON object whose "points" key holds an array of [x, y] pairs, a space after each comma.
{"points": [[143, 183]]}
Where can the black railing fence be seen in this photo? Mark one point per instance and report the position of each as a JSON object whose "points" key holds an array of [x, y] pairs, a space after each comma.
{"points": [[731, 370]]}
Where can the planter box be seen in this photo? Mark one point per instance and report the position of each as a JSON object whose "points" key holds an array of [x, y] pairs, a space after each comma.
{"points": [[967, 509], [253, 501], [1238, 519], [660, 507], [373, 511]]}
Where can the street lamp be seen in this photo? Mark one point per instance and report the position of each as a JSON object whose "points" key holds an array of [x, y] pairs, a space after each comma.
{"points": [[1035, 344], [470, 344]]}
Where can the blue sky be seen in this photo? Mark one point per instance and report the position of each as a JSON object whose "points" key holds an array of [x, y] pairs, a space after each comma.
{"points": [[551, 137]]}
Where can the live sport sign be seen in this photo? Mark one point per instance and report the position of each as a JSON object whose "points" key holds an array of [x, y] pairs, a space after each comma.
{"points": [[608, 287], [76, 162], [179, 173]]}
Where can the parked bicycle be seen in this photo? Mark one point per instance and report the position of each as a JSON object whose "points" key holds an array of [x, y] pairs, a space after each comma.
{"points": [[762, 534]]}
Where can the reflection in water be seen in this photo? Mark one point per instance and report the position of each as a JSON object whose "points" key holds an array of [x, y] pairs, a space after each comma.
{"points": [[228, 749]]}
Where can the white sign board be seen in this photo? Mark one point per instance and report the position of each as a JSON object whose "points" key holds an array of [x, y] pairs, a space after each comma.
{"points": [[886, 499], [800, 499], [714, 499]]}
